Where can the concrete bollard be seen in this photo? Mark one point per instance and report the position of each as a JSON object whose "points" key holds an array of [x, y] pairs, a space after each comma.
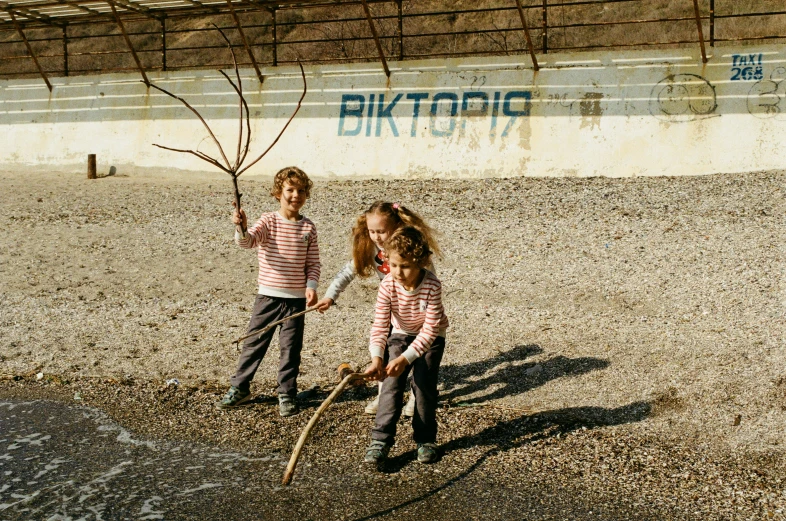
{"points": [[91, 166]]}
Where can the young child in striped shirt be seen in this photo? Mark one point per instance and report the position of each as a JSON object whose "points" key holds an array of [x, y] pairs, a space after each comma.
{"points": [[372, 229], [409, 299], [289, 267]]}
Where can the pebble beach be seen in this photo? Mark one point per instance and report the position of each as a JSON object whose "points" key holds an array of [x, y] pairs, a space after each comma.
{"points": [[616, 343]]}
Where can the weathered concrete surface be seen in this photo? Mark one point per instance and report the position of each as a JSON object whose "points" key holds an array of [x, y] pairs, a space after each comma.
{"points": [[634, 113]]}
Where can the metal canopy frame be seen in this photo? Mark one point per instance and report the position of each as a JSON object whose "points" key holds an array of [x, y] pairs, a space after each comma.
{"points": [[41, 13], [339, 31]]}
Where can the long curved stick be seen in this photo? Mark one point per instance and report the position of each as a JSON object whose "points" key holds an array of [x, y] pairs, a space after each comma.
{"points": [[274, 324], [313, 421]]}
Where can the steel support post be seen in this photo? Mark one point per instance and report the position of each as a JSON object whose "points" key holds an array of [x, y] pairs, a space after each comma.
{"points": [[526, 34]]}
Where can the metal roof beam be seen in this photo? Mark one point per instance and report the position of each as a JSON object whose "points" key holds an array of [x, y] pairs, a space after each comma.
{"points": [[376, 39], [75, 5], [245, 41], [527, 35], [128, 42], [138, 9], [30, 50], [701, 31], [8, 8]]}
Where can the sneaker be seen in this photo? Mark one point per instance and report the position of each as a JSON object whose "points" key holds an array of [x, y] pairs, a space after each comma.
{"points": [[427, 453], [409, 408], [377, 452], [372, 406], [233, 398], [287, 405]]}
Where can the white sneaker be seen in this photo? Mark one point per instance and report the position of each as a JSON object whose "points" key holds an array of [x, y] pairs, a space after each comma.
{"points": [[409, 408], [372, 406]]}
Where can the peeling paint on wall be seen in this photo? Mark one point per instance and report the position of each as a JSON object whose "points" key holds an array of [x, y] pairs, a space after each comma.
{"points": [[591, 110]]}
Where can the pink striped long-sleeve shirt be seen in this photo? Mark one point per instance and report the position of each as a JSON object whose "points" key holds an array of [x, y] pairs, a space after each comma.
{"points": [[288, 255], [417, 312]]}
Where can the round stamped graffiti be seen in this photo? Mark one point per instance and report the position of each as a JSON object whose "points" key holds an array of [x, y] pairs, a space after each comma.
{"points": [[767, 98], [683, 97]]}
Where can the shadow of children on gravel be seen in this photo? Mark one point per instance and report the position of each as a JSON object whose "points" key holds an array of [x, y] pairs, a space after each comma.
{"points": [[515, 433], [507, 375]]}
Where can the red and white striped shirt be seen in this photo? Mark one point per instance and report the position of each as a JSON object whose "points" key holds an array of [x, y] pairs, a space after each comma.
{"points": [[288, 255], [417, 312]]}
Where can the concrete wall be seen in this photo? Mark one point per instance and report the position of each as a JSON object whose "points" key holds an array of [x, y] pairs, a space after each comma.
{"points": [[635, 113]]}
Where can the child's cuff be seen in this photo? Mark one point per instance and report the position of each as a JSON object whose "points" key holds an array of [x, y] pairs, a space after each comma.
{"points": [[332, 294], [312, 284], [410, 354], [377, 351]]}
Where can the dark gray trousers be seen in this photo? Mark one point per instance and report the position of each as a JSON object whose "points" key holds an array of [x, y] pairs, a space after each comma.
{"points": [[425, 372], [290, 340]]}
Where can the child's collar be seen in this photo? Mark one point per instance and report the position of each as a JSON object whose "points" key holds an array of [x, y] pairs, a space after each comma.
{"points": [[298, 219]]}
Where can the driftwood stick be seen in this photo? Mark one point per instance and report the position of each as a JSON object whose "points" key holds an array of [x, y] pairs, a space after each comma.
{"points": [[274, 324], [313, 421]]}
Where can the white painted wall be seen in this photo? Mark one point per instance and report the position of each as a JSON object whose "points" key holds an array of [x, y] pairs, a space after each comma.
{"points": [[634, 113]]}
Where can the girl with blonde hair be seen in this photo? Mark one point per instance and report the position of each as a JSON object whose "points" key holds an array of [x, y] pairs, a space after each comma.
{"points": [[372, 229]]}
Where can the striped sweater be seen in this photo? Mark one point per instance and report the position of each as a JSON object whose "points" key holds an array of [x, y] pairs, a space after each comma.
{"points": [[417, 312], [288, 255]]}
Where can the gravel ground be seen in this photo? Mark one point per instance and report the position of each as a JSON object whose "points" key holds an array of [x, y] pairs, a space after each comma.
{"points": [[616, 341]]}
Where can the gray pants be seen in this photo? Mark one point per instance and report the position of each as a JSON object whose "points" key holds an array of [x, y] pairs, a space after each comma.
{"points": [[290, 340], [425, 372]]}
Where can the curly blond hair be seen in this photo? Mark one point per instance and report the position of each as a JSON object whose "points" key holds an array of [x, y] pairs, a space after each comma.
{"points": [[294, 176], [411, 244], [363, 248]]}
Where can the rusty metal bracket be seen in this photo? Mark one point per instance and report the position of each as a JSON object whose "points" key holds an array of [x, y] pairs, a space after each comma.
{"points": [[128, 42], [245, 41], [701, 31], [376, 38], [30, 50], [526, 34]]}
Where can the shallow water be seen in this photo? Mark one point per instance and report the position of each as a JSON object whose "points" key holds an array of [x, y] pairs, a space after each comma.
{"points": [[65, 462]]}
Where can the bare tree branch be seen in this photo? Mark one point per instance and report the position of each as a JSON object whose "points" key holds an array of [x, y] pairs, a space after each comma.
{"points": [[299, 103], [235, 169], [200, 155], [241, 156], [239, 89], [192, 109]]}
